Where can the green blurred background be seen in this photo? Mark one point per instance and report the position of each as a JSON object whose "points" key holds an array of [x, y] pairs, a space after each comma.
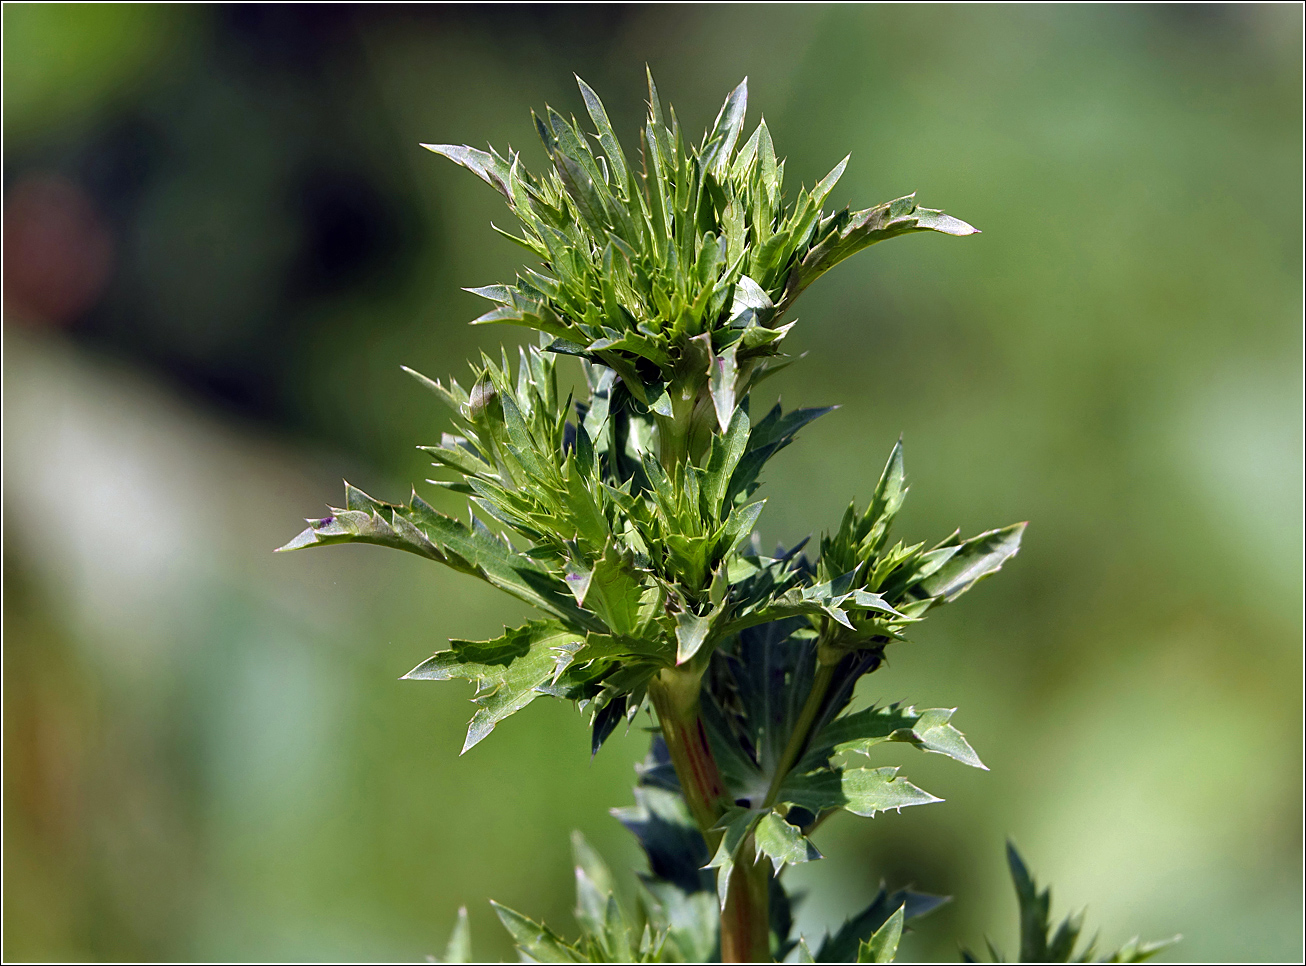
{"points": [[221, 242]]}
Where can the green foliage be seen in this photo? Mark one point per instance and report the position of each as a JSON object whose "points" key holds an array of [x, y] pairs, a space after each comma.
{"points": [[873, 591], [846, 945], [459, 947], [675, 270], [1040, 944], [676, 910], [667, 927], [508, 670], [627, 517], [781, 795], [883, 944]]}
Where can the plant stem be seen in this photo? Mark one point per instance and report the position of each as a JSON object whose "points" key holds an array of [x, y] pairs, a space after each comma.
{"points": [[674, 693], [745, 919]]}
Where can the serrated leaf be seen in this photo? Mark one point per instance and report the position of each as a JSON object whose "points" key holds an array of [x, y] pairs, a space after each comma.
{"points": [[720, 143], [740, 524], [782, 843], [883, 944], [1062, 944], [592, 864], [862, 791], [614, 591], [932, 732], [489, 168], [607, 138], [928, 730], [454, 397], [617, 945], [597, 910], [507, 670], [577, 577], [801, 953], [536, 940], [419, 528], [727, 450], [1036, 946], [766, 438], [843, 946], [864, 228], [365, 520], [974, 560], [669, 837], [751, 304], [607, 718], [458, 458], [1135, 951], [826, 184], [887, 500], [583, 507], [721, 381], [735, 825]]}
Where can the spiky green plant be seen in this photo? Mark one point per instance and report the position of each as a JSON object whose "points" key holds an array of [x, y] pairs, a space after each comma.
{"points": [[625, 518], [1040, 944]]}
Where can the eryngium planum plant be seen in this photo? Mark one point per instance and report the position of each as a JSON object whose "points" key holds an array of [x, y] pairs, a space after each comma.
{"points": [[626, 518]]}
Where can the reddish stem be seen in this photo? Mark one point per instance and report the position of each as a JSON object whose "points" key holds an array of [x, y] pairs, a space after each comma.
{"points": [[745, 920], [674, 694]]}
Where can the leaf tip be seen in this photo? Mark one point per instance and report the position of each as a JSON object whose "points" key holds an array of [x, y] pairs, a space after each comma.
{"points": [[305, 538]]}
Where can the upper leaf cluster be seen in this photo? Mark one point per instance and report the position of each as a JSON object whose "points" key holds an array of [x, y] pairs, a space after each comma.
{"points": [[677, 268]]}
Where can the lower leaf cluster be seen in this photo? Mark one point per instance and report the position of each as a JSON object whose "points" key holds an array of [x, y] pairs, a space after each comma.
{"points": [[675, 919]]}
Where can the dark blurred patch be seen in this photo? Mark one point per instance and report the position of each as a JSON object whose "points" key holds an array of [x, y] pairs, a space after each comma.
{"points": [[296, 38], [119, 163], [349, 232], [1198, 18], [569, 28]]}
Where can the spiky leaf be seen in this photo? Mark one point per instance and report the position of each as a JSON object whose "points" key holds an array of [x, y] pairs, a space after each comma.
{"points": [[783, 843], [883, 944], [843, 946], [507, 670]]}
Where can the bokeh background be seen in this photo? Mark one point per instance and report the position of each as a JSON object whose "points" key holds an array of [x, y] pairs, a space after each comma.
{"points": [[221, 240]]}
